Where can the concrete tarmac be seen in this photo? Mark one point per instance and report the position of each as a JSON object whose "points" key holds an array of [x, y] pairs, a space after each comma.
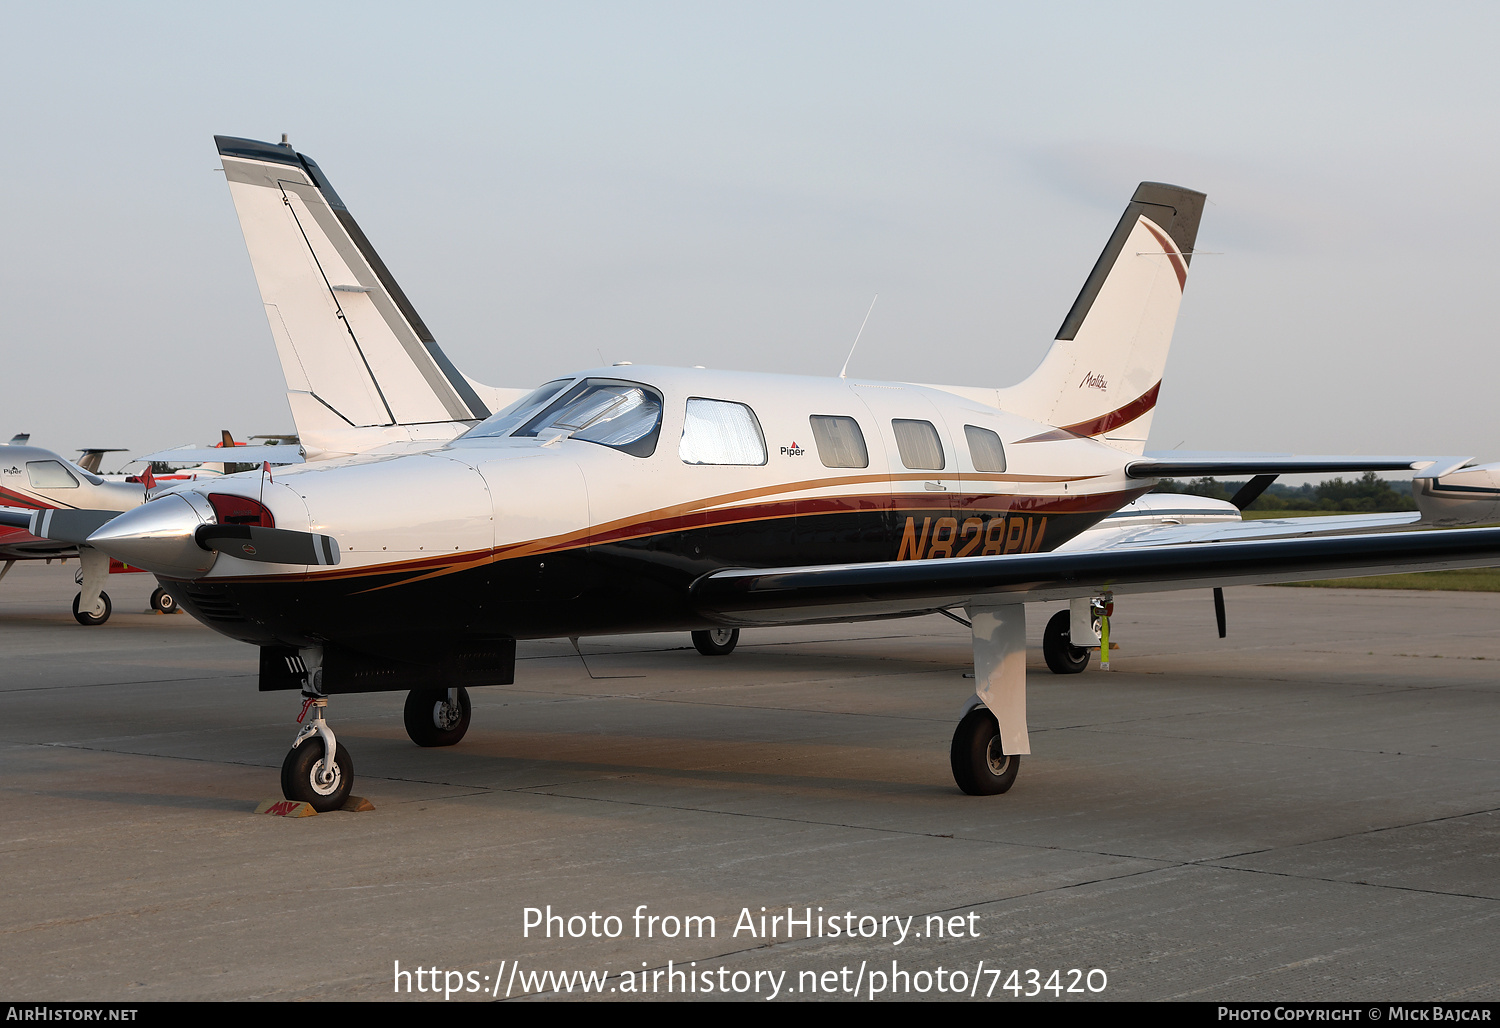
{"points": [[1306, 810]]}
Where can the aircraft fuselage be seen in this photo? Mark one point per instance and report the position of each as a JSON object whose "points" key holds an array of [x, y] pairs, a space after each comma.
{"points": [[546, 535]]}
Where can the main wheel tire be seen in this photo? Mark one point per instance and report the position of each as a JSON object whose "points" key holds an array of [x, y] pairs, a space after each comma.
{"points": [[432, 721], [979, 766], [1063, 658], [163, 601], [300, 771], [716, 642], [91, 619]]}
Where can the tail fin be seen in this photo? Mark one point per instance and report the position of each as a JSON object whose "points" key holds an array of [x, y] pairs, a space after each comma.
{"points": [[1100, 378], [355, 354]]}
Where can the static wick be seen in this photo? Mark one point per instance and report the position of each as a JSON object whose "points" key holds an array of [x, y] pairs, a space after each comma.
{"points": [[843, 372]]}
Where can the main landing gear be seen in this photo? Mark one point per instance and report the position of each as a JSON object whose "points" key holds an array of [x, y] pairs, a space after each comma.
{"points": [[1063, 658], [91, 606], [97, 616], [716, 642], [991, 738], [318, 770], [980, 767], [1072, 635], [437, 717]]}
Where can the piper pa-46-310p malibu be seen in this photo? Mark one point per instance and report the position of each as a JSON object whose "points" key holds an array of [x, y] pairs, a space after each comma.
{"points": [[426, 534]]}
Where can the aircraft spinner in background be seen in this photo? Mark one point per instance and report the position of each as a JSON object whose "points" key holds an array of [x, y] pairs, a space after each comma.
{"points": [[631, 499]]}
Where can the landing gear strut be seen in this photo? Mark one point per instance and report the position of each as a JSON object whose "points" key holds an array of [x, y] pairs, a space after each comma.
{"points": [[308, 774], [716, 642], [91, 606], [437, 717]]}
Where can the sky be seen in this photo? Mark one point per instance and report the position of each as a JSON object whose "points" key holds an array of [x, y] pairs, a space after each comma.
{"points": [[559, 185]]}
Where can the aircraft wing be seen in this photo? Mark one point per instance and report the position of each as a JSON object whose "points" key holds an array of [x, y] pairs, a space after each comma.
{"points": [[840, 592], [1102, 537], [229, 455]]}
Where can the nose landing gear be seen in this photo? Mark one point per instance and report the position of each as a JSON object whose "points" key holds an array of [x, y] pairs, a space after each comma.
{"points": [[437, 717], [308, 774], [716, 642]]}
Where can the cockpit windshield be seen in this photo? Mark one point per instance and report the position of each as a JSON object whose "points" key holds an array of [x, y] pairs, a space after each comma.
{"points": [[504, 422], [624, 415]]}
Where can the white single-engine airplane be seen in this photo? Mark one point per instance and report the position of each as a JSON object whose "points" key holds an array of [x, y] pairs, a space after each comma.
{"points": [[434, 533]]}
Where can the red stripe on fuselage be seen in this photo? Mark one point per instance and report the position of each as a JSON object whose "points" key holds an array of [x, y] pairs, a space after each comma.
{"points": [[10, 498]]}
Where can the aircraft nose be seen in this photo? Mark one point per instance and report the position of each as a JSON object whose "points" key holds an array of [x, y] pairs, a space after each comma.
{"points": [[158, 536]]}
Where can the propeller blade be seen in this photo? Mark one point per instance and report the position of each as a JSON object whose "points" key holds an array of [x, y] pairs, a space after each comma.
{"points": [[268, 545], [58, 524], [1219, 610]]}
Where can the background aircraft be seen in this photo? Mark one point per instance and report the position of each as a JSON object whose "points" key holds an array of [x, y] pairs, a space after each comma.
{"points": [[644, 498], [35, 479]]}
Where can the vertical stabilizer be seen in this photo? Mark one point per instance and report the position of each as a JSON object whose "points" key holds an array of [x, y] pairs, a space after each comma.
{"points": [[1101, 376], [355, 353]]}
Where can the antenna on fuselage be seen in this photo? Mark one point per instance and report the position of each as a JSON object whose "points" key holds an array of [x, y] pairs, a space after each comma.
{"points": [[843, 372]]}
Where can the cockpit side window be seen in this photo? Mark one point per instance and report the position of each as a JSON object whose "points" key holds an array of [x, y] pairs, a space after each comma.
{"points": [[622, 415], [721, 432], [504, 422], [49, 474]]}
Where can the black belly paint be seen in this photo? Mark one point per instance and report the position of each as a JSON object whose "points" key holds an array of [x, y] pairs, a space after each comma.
{"points": [[636, 585]]}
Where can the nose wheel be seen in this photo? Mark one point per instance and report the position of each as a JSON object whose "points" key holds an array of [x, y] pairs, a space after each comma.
{"points": [[318, 771], [307, 777], [437, 717], [716, 642]]}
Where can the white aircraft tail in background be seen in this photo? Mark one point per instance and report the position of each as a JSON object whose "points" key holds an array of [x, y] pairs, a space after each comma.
{"points": [[362, 370]]}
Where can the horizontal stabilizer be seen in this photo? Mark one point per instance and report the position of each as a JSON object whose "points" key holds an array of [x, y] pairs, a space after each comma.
{"points": [[1175, 464]]}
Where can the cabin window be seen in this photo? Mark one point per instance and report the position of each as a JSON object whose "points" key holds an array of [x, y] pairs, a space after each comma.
{"points": [[985, 449], [839, 441], [721, 432], [622, 415], [50, 474], [505, 421], [920, 447]]}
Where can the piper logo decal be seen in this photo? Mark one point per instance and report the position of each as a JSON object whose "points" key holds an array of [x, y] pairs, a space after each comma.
{"points": [[1020, 533], [792, 451]]}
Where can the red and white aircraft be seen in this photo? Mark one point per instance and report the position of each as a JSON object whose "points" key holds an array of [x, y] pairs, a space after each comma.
{"points": [[34, 479], [434, 533]]}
